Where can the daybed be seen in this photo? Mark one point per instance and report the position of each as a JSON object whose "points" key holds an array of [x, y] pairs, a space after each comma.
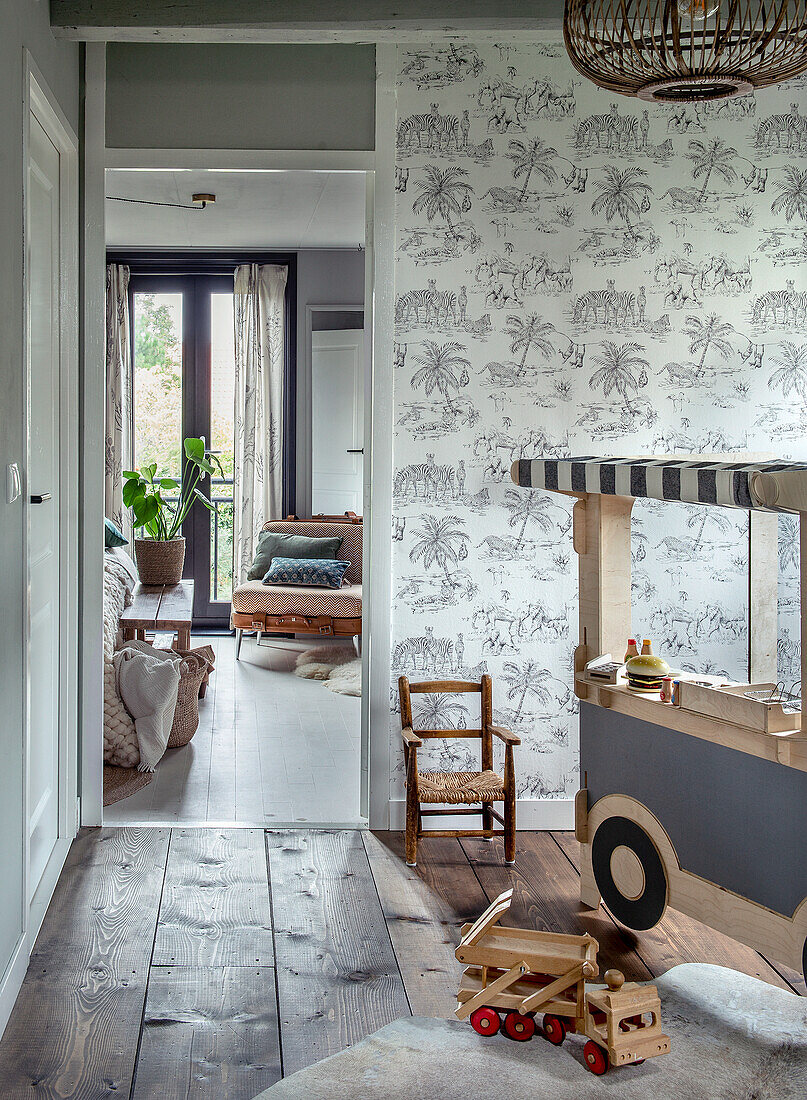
{"points": [[297, 609]]}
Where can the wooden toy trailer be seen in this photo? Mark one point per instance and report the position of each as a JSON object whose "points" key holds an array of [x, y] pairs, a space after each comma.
{"points": [[513, 973]]}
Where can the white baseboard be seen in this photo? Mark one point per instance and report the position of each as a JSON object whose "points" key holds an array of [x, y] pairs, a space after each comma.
{"points": [[12, 979], [531, 814]]}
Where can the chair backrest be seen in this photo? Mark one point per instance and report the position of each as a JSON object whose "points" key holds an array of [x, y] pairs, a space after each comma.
{"points": [[452, 687], [348, 531]]}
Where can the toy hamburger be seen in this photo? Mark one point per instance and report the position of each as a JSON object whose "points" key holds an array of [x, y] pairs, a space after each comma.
{"points": [[645, 672]]}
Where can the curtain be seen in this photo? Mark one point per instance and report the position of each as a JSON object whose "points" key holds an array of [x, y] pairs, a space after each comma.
{"points": [[259, 369], [118, 434]]}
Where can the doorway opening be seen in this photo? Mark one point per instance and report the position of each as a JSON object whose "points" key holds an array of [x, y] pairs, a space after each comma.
{"points": [[279, 736]]}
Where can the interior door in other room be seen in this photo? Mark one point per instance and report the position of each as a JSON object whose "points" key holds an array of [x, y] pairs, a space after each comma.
{"points": [[43, 260], [337, 421]]}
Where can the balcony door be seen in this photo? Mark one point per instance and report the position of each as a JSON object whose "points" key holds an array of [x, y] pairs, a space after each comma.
{"points": [[183, 385]]}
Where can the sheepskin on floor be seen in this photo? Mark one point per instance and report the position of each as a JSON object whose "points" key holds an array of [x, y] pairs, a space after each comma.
{"points": [[337, 665]]}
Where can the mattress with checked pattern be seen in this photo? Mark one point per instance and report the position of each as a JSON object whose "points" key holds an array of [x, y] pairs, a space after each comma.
{"points": [[692, 480], [256, 598]]}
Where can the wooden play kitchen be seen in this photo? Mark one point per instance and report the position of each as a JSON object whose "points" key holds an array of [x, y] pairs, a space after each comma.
{"points": [[513, 973], [700, 806]]}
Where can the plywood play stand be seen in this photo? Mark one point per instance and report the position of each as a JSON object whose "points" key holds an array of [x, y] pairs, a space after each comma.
{"points": [[704, 812], [512, 973]]}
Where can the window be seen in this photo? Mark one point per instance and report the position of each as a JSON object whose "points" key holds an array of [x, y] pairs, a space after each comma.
{"points": [[183, 366]]}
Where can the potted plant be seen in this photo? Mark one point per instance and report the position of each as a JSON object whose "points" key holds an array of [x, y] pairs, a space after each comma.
{"points": [[161, 556]]}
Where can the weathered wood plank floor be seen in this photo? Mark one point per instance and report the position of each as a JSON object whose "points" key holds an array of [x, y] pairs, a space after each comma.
{"points": [[207, 963]]}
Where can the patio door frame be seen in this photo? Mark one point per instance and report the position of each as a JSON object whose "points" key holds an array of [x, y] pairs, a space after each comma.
{"points": [[197, 276]]}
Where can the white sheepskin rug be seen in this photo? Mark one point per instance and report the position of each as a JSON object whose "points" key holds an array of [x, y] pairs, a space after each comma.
{"points": [[338, 666]]}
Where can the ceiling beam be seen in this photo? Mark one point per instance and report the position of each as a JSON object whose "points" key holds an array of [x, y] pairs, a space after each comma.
{"points": [[295, 21]]}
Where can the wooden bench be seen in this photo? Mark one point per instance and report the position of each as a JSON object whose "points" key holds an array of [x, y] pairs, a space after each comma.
{"points": [[166, 608]]}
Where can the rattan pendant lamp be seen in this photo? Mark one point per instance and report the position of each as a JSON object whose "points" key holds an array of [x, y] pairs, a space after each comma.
{"points": [[679, 51]]}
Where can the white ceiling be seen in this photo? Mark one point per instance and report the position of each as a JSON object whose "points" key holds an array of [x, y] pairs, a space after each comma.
{"points": [[252, 209]]}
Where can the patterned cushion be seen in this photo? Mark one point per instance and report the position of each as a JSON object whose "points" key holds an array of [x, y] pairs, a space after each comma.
{"points": [[255, 598], [312, 572], [350, 534], [272, 544]]}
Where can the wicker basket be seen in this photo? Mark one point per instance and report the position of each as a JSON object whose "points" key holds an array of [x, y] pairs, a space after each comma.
{"points": [[209, 655], [160, 561], [186, 716]]}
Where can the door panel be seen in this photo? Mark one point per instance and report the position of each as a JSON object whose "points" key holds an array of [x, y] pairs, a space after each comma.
{"points": [[337, 421], [43, 262]]}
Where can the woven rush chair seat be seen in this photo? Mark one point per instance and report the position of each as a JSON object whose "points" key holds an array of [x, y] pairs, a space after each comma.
{"points": [[256, 598], [456, 787]]}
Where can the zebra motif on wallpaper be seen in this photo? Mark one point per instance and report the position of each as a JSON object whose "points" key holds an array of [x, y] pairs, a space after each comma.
{"points": [[537, 189]]}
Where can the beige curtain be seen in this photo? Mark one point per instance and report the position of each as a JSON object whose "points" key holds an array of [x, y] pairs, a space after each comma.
{"points": [[259, 368], [118, 432]]}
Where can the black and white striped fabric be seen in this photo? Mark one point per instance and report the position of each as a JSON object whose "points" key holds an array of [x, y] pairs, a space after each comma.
{"points": [[695, 481]]}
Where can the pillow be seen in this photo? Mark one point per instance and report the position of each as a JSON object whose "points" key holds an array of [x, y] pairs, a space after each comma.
{"points": [[272, 544], [113, 536], [315, 572]]}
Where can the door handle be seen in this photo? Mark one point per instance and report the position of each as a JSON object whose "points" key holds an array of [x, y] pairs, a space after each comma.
{"points": [[40, 498], [355, 450]]}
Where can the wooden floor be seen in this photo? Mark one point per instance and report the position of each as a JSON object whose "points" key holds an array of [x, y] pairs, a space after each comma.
{"points": [[271, 749], [206, 963]]}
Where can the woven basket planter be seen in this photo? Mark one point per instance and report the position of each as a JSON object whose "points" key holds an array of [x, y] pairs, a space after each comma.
{"points": [[186, 716], [160, 562]]}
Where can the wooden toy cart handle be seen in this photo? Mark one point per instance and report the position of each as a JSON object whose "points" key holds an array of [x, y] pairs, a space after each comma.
{"points": [[494, 913]]}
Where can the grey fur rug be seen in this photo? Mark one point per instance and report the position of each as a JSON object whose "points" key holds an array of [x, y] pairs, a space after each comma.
{"points": [[732, 1038]]}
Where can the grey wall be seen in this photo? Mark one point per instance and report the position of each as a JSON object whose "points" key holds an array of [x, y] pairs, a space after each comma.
{"points": [[334, 278], [24, 24], [194, 96]]}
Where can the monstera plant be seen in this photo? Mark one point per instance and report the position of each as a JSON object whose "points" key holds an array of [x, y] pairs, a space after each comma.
{"points": [[160, 506]]}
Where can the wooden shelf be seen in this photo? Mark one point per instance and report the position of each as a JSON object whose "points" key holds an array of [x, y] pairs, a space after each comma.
{"points": [[789, 749]]}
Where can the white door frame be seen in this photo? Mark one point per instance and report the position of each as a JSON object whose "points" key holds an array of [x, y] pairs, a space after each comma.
{"points": [[39, 101], [379, 315]]}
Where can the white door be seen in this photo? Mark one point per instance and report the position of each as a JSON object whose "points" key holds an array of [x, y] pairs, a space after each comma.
{"points": [[43, 281], [337, 421]]}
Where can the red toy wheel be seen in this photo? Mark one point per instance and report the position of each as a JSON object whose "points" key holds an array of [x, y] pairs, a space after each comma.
{"points": [[485, 1021], [554, 1029], [518, 1027], [595, 1058]]}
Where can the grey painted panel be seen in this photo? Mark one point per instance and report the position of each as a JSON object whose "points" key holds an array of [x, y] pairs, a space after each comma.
{"points": [[334, 320], [23, 24], [198, 96], [734, 819]]}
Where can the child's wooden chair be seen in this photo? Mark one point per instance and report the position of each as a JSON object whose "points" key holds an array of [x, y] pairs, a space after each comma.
{"points": [[462, 789]]}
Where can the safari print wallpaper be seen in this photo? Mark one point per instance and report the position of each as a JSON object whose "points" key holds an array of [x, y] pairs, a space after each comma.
{"points": [[581, 273]]}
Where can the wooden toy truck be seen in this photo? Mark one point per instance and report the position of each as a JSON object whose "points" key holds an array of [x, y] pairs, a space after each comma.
{"points": [[512, 973]]}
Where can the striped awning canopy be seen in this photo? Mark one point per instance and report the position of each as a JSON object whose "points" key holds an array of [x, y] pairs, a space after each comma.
{"points": [[766, 485]]}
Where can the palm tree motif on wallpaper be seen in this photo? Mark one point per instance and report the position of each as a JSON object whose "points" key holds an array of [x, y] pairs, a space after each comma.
{"points": [[707, 335], [435, 712], [527, 333], [441, 542], [618, 366], [529, 157], [711, 156], [792, 200], [442, 369], [443, 195], [524, 508], [700, 518], [792, 373], [622, 194], [523, 679]]}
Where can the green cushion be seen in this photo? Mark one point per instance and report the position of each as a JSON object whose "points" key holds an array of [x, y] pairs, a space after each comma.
{"points": [[274, 544], [113, 536]]}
